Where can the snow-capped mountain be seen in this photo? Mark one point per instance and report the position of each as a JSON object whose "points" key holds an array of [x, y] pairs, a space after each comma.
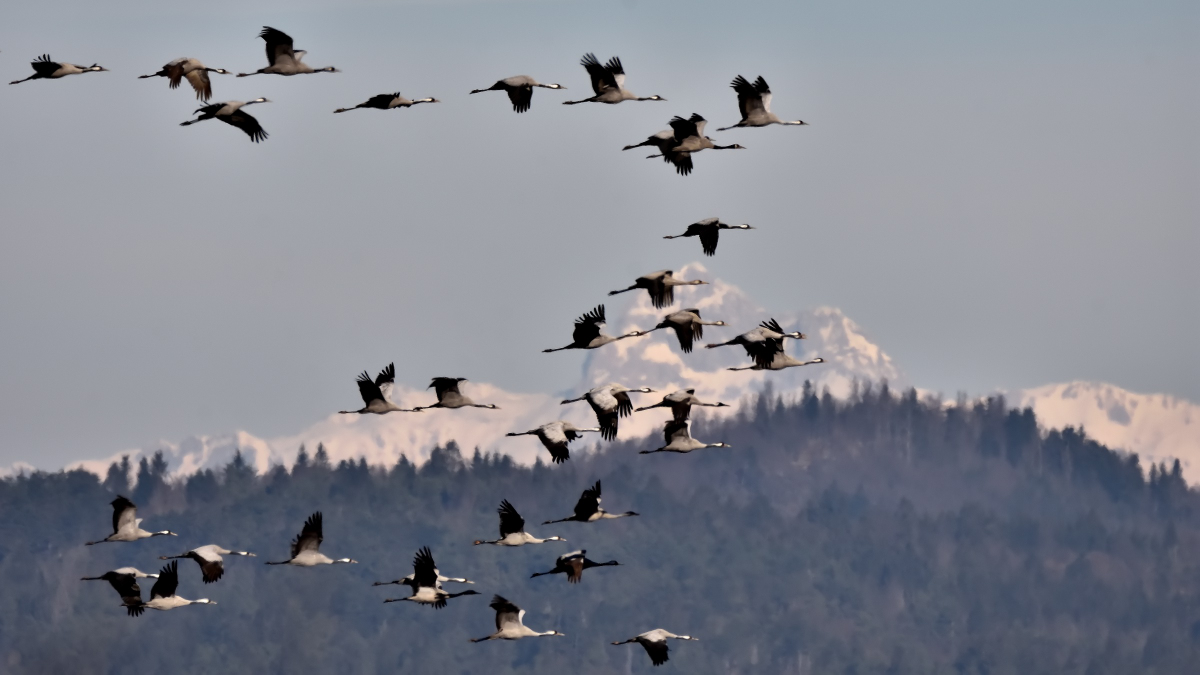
{"points": [[1157, 427]]}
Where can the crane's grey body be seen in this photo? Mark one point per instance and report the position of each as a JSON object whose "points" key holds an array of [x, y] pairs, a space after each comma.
{"points": [[162, 594], [519, 89], [780, 361], [754, 102], [660, 286], [573, 564], [450, 397], [610, 402], [655, 643], [762, 343], [124, 582], [709, 231], [376, 394], [512, 529], [126, 524], [608, 82], [232, 113], [425, 583], [306, 547], [510, 623], [193, 70], [681, 403], [45, 69], [388, 102], [212, 564], [677, 439], [588, 332], [283, 58], [687, 138], [688, 326], [555, 436], [587, 509]]}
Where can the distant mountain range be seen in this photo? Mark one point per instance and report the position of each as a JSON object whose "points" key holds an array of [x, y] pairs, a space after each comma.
{"points": [[1156, 426]]}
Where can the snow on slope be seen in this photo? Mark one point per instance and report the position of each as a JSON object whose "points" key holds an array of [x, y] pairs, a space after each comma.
{"points": [[1157, 427]]}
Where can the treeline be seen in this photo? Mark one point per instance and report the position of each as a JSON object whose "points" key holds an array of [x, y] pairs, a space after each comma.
{"points": [[879, 534]]}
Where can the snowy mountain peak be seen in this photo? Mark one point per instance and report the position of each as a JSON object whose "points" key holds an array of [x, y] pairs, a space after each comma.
{"points": [[1158, 427]]}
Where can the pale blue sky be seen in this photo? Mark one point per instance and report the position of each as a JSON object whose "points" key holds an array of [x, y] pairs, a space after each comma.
{"points": [[1002, 196]]}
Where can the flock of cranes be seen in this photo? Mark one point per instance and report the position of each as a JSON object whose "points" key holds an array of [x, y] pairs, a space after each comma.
{"points": [[763, 344], [676, 145]]}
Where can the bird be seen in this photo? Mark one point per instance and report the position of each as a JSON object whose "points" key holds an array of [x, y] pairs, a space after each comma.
{"points": [[664, 141], [411, 579], [45, 69], [677, 438], [688, 326], [425, 583], [655, 642], [509, 624], [587, 333], [689, 138], [762, 342], [126, 524], [212, 565], [754, 102], [124, 582], [610, 402], [681, 402], [608, 81], [282, 58], [449, 397], [660, 285], [192, 69], [519, 89], [587, 509], [512, 529], [306, 546], [781, 361], [555, 436], [388, 102], [376, 393], [162, 594], [231, 113], [708, 230], [573, 564]]}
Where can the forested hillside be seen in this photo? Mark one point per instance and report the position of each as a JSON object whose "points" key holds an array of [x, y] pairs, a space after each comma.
{"points": [[880, 534]]}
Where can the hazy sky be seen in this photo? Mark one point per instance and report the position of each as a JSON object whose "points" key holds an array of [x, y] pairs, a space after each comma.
{"points": [[1002, 196]]}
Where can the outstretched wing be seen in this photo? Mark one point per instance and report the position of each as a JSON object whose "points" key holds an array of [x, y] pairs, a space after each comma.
{"points": [[521, 97], [168, 580], [588, 502], [616, 71], [310, 537], [682, 128], [587, 327], [380, 100], [510, 520], [368, 389], [657, 650], [124, 514], [601, 79], [43, 66], [675, 429], [708, 240], [750, 99], [425, 571], [386, 378], [444, 385], [507, 614], [279, 44], [247, 123], [131, 594]]}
